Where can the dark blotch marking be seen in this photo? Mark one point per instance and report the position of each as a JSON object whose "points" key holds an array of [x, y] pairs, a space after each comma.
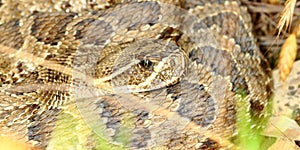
{"points": [[256, 107], [219, 61], [91, 31], [267, 70], [51, 28], [199, 25], [232, 26], [10, 35], [141, 116], [174, 91], [209, 144], [140, 138], [199, 107], [140, 135], [80, 26], [176, 139], [42, 125], [111, 113], [66, 5], [135, 137], [127, 16], [171, 33], [135, 14], [239, 82], [151, 24], [51, 76]]}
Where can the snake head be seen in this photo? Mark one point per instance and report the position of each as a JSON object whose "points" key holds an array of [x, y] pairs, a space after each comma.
{"points": [[148, 65]]}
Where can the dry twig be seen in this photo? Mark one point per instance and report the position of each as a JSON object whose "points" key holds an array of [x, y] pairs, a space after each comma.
{"points": [[288, 51]]}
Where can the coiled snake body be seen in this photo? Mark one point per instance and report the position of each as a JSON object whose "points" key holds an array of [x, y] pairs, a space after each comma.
{"points": [[161, 75]]}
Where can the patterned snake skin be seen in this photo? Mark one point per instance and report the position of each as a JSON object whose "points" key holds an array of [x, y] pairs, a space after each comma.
{"points": [[163, 75]]}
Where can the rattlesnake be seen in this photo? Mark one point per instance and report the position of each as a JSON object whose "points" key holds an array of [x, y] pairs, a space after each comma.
{"points": [[174, 73]]}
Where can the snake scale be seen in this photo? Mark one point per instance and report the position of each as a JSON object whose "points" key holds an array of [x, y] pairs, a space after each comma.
{"points": [[166, 74]]}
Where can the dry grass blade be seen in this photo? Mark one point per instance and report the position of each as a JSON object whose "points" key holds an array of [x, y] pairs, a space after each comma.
{"points": [[287, 56], [288, 53], [286, 15]]}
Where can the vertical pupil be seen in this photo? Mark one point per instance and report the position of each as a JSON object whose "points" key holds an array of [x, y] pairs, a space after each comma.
{"points": [[146, 63]]}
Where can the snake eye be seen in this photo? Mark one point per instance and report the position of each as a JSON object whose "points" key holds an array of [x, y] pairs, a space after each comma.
{"points": [[146, 63]]}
